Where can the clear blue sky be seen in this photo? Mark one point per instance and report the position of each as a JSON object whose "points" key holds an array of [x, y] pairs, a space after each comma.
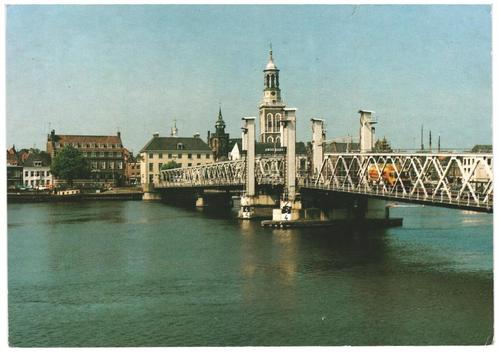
{"points": [[92, 69]]}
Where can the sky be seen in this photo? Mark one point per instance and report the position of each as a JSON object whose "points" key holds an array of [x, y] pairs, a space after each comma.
{"points": [[100, 69]]}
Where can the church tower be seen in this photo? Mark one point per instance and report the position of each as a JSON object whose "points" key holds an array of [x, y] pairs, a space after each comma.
{"points": [[218, 141], [271, 110]]}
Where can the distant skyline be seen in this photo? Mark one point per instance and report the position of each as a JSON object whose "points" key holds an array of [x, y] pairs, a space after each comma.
{"points": [[97, 69]]}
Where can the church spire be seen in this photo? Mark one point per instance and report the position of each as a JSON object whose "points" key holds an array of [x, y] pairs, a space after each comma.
{"points": [[220, 124]]}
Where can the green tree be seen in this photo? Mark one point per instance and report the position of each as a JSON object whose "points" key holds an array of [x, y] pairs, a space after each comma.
{"points": [[69, 164], [170, 165]]}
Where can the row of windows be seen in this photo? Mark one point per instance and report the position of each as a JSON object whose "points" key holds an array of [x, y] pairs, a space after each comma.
{"points": [[36, 173], [89, 145], [102, 154], [106, 165], [179, 156], [37, 182], [151, 165]]}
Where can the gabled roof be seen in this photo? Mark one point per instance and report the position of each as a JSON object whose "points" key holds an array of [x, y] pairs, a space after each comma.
{"points": [[172, 143], [33, 157], [233, 141]]}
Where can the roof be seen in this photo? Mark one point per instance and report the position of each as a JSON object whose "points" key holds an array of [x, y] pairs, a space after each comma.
{"points": [[67, 138], [271, 65], [43, 157], [171, 143], [340, 147], [233, 141], [482, 148]]}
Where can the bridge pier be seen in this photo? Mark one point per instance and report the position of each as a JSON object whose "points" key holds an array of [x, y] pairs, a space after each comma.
{"points": [[218, 200], [258, 206], [150, 193]]}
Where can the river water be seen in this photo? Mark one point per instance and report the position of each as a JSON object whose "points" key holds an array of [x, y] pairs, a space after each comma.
{"points": [[132, 273]]}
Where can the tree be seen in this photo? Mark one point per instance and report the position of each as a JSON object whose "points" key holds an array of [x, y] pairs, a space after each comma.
{"points": [[170, 165], [382, 145], [69, 164]]}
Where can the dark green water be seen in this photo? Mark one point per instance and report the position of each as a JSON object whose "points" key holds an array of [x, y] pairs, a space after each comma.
{"points": [[147, 274]]}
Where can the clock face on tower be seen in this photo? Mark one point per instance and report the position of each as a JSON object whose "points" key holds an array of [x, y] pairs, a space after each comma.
{"points": [[272, 93]]}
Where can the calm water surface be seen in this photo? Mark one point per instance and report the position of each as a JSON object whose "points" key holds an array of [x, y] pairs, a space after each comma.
{"points": [[120, 273]]}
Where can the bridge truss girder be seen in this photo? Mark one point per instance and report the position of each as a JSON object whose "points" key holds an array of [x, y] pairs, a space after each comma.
{"points": [[453, 179]]}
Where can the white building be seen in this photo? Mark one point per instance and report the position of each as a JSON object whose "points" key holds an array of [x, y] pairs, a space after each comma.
{"points": [[36, 171]]}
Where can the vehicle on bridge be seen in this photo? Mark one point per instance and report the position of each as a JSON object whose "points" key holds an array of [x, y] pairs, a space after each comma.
{"points": [[388, 174]]}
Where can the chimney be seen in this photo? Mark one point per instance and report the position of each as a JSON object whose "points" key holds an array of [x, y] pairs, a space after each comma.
{"points": [[119, 134], [52, 135], [155, 135]]}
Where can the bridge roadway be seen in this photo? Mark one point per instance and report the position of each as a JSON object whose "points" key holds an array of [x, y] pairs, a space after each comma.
{"points": [[463, 181]]}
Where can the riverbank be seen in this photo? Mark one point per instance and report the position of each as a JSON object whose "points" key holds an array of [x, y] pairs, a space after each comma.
{"points": [[35, 197]]}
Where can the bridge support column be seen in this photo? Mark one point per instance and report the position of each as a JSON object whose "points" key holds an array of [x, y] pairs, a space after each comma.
{"points": [[317, 144], [249, 201], [367, 131], [199, 202], [149, 192], [259, 206]]}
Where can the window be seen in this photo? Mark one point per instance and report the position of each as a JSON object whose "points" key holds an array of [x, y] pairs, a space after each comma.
{"points": [[190, 156], [151, 167], [151, 155], [102, 165], [151, 178], [179, 156], [102, 154], [160, 155], [26, 173], [179, 164], [198, 156], [111, 164], [37, 163], [198, 164], [160, 166], [32, 173], [37, 173], [189, 164], [179, 146], [208, 156], [120, 164], [48, 173], [170, 156]]}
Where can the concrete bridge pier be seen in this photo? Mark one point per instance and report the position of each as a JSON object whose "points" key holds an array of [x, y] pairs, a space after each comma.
{"points": [[219, 200], [290, 207], [150, 193], [257, 206]]}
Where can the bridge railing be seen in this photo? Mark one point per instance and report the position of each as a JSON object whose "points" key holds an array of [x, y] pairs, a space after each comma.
{"points": [[448, 178], [268, 171], [226, 173]]}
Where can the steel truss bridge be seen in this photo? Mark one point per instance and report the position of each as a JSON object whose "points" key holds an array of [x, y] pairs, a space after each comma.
{"points": [[453, 180], [225, 174]]}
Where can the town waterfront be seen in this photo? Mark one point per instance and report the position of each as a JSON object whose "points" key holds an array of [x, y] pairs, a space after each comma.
{"points": [[132, 273]]}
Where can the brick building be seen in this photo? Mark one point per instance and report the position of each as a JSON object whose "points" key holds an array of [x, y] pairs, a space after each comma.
{"points": [[104, 153]]}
